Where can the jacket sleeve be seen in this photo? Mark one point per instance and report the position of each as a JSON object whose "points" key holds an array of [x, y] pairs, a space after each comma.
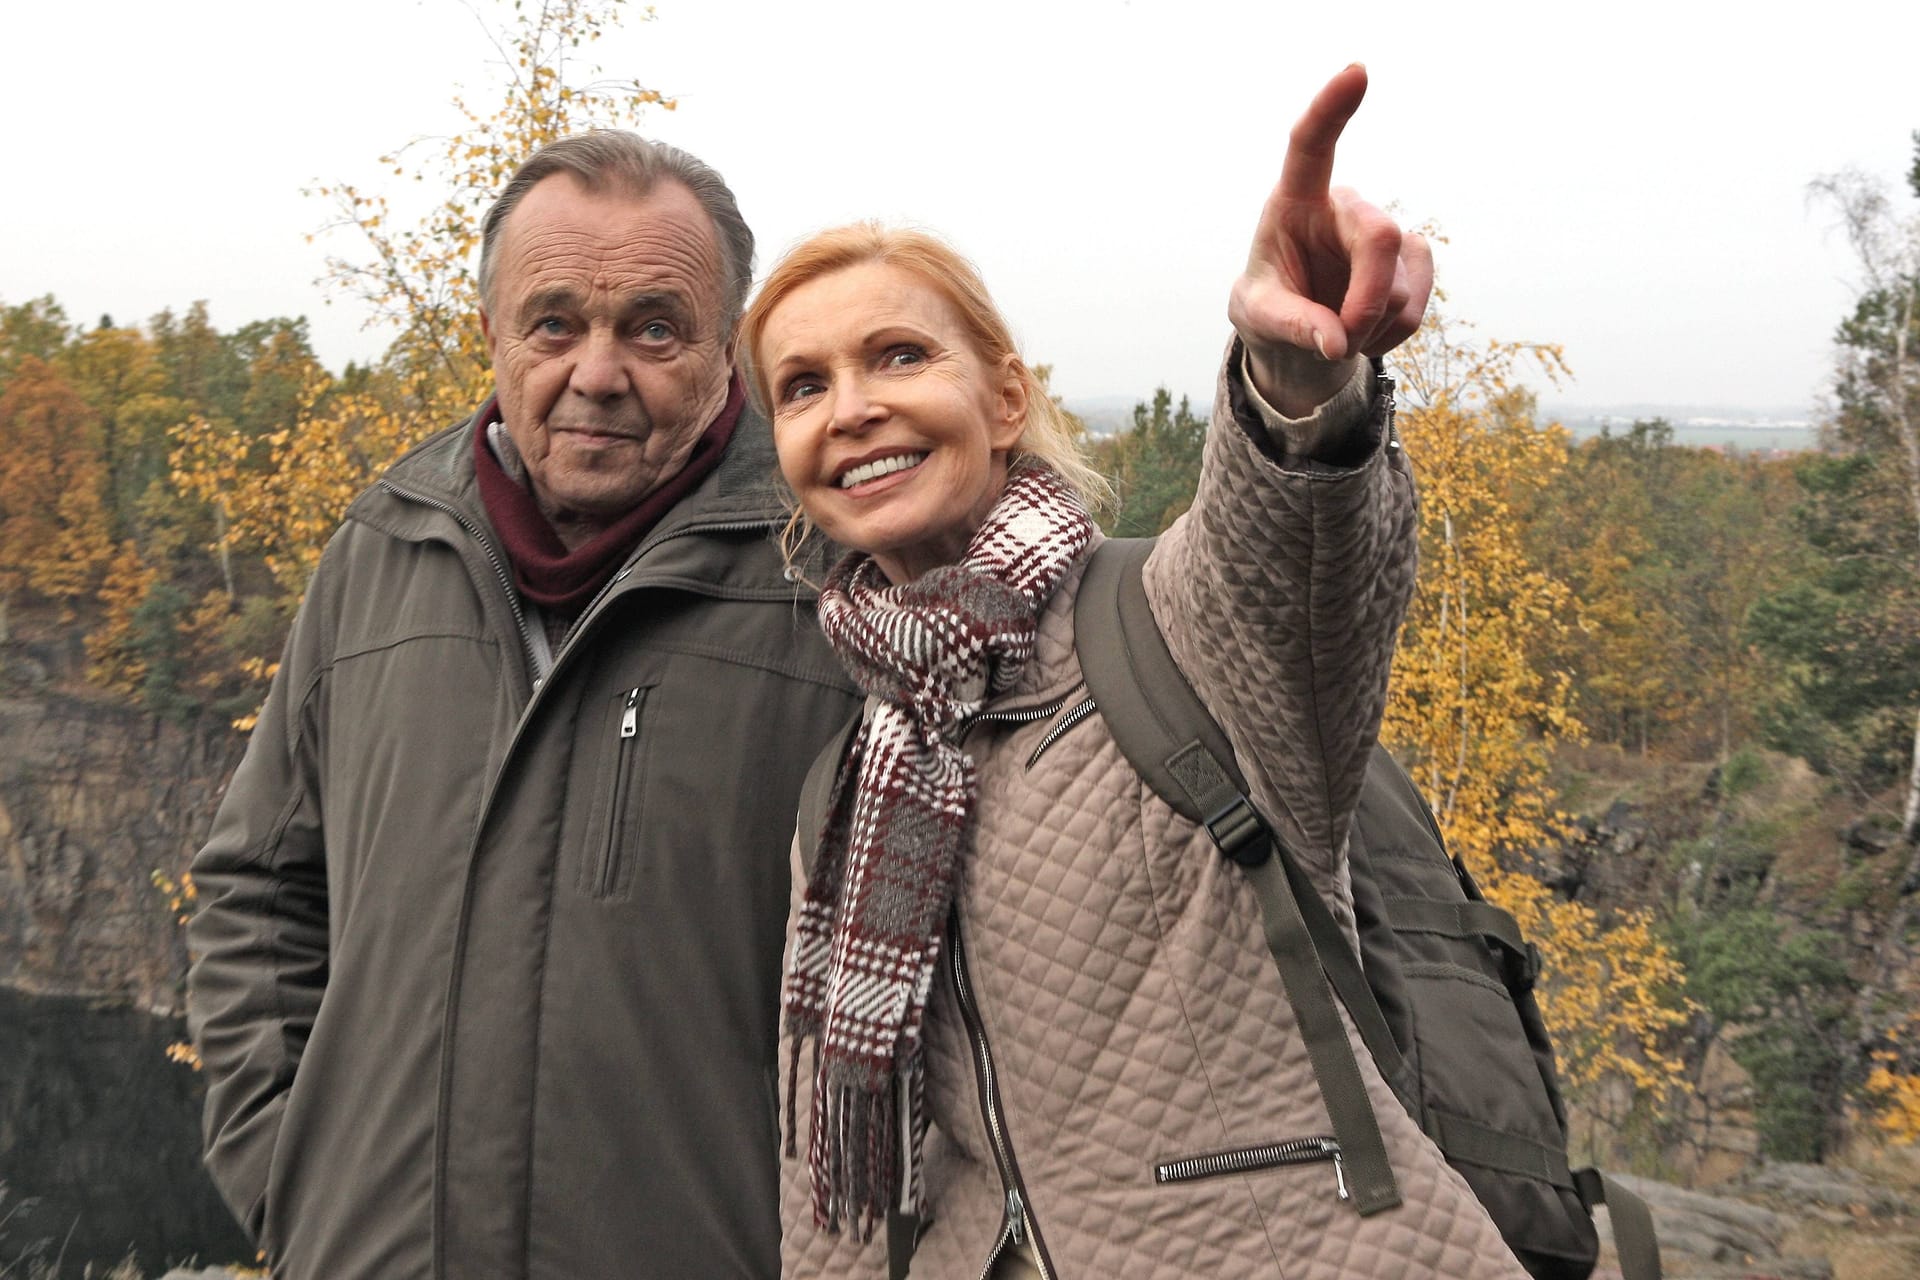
{"points": [[1281, 593], [259, 942]]}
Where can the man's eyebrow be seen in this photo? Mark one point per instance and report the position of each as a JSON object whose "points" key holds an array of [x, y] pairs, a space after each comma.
{"points": [[538, 304], [661, 301]]}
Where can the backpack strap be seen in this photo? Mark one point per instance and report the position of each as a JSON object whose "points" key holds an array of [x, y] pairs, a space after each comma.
{"points": [[1183, 755], [817, 789], [1633, 1235]]}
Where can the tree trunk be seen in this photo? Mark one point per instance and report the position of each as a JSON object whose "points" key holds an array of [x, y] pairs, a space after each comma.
{"points": [[1900, 411]]}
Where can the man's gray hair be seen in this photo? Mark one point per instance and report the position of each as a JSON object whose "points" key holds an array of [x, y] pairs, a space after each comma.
{"points": [[615, 158]]}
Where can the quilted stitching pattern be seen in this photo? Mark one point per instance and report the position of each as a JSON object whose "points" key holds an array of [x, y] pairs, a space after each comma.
{"points": [[1133, 1010]]}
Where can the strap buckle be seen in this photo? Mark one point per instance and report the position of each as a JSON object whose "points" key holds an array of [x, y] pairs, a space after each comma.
{"points": [[1239, 833]]}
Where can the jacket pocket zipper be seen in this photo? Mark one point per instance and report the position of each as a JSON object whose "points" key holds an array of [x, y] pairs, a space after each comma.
{"points": [[1272, 1155], [609, 868]]}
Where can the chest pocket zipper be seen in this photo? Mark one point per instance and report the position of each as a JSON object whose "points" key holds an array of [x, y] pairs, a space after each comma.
{"points": [[604, 882]]}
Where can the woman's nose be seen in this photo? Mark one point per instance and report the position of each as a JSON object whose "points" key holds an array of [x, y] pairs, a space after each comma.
{"points": [[853, 408]]}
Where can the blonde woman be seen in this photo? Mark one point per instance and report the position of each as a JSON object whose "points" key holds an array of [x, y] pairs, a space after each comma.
{"points": [[1019, 988]]}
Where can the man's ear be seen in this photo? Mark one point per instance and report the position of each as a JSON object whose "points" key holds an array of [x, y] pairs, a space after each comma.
{"points": [[486, 329], [1010, 417]]}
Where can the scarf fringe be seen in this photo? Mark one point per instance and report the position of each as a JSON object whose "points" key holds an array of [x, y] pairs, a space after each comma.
{"points": [[856, 1142]]}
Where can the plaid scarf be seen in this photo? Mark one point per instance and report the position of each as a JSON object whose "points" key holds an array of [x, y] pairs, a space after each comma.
{"points": [[930, 653]]}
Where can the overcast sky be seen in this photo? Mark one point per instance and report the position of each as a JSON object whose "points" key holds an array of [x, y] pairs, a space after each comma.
{"points": [[1626, 179]]}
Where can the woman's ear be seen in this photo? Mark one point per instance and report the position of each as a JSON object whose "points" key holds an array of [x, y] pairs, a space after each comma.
{"points": [[1010, 418]]}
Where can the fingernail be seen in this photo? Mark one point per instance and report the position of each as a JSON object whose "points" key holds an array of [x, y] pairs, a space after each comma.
{"points": [[1321, 343]]}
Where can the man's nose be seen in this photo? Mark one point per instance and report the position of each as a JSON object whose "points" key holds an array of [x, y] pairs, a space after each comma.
{"points": [[599, 371]]}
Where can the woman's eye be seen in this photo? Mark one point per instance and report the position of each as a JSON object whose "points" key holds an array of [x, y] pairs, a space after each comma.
{"points": [[903, 357], [802, 389]]}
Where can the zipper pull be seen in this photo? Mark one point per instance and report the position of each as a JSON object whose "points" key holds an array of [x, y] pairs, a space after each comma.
{"points": [[1340, 1178], [630, 717], [1016, 1217]]}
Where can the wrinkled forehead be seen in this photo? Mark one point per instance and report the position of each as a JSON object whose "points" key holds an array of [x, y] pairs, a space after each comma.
{"points": [[565, 234]]}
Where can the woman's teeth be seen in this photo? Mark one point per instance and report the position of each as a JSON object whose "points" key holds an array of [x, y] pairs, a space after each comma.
{"points": [[883, 467]]}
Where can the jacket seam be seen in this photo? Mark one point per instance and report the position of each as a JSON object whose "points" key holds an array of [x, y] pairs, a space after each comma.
{"points": [[694, 649], [1145, 800]]}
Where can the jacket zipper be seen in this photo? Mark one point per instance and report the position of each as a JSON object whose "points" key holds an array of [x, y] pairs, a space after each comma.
{"points": [[475, 532], [1019, 1225], [617, 818], [606, 588], [1073, 717], [1272, 1155]]}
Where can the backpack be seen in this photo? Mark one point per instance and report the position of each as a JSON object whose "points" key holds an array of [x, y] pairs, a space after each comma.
{"points": [[1441, 990]]}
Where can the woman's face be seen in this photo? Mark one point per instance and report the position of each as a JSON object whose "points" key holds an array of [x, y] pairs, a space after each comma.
{"points": [[892, 430]]}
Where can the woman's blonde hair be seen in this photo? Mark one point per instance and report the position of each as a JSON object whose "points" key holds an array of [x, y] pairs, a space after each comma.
{"points": [[1050, 435]]}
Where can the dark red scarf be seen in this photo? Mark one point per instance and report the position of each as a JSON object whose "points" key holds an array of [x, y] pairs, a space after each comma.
{"points": [[560, 581]]}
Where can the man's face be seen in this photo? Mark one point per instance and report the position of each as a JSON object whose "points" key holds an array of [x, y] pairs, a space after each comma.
{"points": [[609, 356]]}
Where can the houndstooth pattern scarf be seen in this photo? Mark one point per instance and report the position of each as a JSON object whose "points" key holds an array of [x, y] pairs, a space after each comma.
{"points": [[929, 653]]}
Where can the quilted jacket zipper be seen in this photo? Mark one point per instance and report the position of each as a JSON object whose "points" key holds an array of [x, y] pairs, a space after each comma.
{"points": [[1019, 1225], [1073, 716], [1272, 1155]]}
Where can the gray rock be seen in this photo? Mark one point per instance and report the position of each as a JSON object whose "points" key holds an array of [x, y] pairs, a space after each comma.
{"points": [[1817, 1185]]}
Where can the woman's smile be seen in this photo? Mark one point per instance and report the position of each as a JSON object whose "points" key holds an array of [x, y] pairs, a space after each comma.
{"points": [[861, 477]]}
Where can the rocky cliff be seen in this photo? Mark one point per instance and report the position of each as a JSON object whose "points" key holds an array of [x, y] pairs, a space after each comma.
{"points": [[95, 796]]}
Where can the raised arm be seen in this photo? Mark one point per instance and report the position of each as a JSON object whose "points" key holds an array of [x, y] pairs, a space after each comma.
{"points": [[1281, 591], [1329, 277]]}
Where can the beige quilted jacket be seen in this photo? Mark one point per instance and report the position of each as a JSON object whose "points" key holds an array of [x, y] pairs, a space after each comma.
{"points": [[1113, 961]]}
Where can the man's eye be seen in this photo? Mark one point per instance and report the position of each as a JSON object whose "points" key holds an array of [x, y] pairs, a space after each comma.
{"points": [[656, 331], [551, 327]]}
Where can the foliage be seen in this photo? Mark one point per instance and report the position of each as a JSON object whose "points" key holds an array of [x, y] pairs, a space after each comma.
{"points": [[1786, 996], [1873, 514], [1155, 466], [1479, 697], [1667, 551], [53, 540], [1893, 1085]]}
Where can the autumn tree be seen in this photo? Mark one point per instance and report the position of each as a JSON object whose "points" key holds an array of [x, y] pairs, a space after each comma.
{"points": [[53, 533], [1478, 701], [1667, 551]]}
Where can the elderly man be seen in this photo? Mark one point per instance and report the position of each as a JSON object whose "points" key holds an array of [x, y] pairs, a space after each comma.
{"points": [[485, 979]]}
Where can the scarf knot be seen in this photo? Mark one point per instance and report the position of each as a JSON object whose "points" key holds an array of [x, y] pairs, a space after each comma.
{"points": [[930, 654]]}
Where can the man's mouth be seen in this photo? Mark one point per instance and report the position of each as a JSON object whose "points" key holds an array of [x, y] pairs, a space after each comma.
{"points": [[879, 467]]}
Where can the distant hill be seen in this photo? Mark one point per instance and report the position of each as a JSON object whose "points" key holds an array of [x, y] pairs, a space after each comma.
{"points": [[1779, 430], [1701, 426]]}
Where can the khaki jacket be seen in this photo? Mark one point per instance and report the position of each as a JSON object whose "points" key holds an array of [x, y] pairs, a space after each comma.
{"points": [[1121, 1009], [486, 974]]}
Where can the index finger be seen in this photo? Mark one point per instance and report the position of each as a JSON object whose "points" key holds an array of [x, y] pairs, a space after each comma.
{"points": [[1307, 172]]}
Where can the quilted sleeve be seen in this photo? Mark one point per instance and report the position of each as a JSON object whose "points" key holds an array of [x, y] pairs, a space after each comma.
{"points": [[1280, 593]]}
